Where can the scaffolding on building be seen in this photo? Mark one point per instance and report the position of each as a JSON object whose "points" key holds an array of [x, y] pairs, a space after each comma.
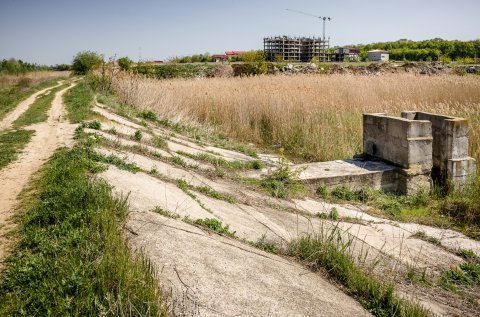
{"points": [[296, 49]]}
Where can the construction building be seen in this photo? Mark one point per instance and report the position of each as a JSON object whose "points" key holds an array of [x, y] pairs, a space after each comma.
{"points": [[296, 49], [346, 54]]}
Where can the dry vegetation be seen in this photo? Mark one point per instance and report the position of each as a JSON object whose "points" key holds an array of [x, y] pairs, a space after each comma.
{"points": [[311, 116], [30, 79]]}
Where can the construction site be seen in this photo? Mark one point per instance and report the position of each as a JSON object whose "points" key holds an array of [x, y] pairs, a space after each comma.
{"points": [[296, 49]]}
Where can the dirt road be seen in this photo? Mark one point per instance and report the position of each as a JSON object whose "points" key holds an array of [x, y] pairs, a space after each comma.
{"points": [[21, 108], [49, 136]]}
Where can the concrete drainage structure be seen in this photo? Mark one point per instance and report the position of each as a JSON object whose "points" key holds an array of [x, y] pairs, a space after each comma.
{"points": [[401, 155], [426, 147]]}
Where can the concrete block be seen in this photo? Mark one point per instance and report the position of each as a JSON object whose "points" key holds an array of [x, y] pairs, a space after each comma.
{"points": [[410, 115], [397, 127], [420, 152], [456, 127], [419, 129], [458, 148], [463, 167], [420, 143], [410, 184]]}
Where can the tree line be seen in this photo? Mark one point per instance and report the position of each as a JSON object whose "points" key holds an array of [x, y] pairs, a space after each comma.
{"points": [[16, 67], [436, 49]]}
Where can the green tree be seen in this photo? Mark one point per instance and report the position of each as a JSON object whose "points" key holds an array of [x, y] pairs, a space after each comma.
{"points": [[12, 66], [86, 61], [254, 63], [125, 63]]}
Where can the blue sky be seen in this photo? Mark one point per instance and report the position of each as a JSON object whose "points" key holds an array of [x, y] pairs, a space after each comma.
{"points": [[53, 31]]}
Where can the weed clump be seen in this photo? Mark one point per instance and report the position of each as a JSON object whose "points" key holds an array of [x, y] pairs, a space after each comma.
{"points": [[466, 274], [328, 251], [268, 246], [282, 182], [137, 136], [215, 225], [148, 115], [93, 125]]}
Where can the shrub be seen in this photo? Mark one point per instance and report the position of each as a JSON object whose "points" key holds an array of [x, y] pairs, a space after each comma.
{"points": [[86, 61], [342, 192], [148, 115], [125, 63], [138, 135], [93, 125], [322, 192]]}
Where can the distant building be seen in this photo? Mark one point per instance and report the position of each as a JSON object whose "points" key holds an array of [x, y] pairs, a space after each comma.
{"points": [[295, 49], [346, 54], [233, 53], [219, 58], [377, 55]]}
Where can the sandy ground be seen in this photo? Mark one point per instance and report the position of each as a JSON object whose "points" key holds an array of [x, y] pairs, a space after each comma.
{"points": [[49, 136], [21, 108]]}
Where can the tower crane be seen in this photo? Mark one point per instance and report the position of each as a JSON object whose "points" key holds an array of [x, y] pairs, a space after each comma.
{"points": [[321, 18]]}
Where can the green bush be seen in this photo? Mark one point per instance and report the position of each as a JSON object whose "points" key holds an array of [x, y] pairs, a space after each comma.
{"points": [[125, 63], [86, 61]]}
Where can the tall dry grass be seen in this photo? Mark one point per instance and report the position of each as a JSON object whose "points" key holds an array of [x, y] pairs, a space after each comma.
{"points": [[31, 78], [311, 116]]}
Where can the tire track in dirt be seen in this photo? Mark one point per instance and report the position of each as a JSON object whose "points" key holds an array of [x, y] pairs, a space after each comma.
{"points": [[49, 136], [22, 107]]}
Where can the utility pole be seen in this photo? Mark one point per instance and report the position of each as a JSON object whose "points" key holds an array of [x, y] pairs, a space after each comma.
{"points": [[321, 18]]}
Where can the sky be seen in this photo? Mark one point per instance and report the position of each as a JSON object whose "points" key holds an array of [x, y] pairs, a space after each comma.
{"points": [[53, 31]]}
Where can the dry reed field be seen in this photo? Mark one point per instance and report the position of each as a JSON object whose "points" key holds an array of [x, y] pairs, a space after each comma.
{"points": [[312, 117], [31, 78]]}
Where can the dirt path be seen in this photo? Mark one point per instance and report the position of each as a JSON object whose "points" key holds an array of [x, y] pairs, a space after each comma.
{"points": [[49, 136], [21, 108]]}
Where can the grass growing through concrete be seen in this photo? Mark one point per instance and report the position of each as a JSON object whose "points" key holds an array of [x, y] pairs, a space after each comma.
{"points": [[283, 183], [11, 143], [328, 252], [458, 209], [221, 162], [78, 101], [467, 274], [114, 160], [38, 110], [215, 225], [71, 259]]}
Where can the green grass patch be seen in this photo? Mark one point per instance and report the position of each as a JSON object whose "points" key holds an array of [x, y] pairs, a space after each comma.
{"points": [[215, 225], [221, 162], [114, 160], [283, 183], [11, 96], [458, 209], [70, 258], [266, 245], [121, 109], [423, 236], [328, 252], [466, 274], [210, 192], [78, 101], [12, 143], [37, 112], [165, 213]]}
